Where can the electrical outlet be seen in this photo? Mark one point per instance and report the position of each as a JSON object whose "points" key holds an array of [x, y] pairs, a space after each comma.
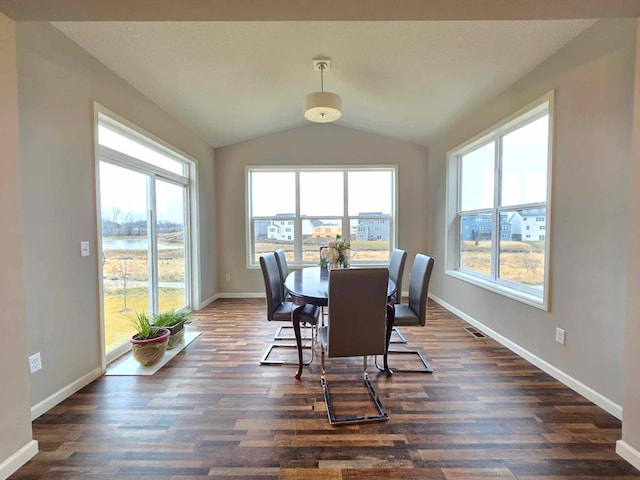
{"points": [[35, 363], [560, 335], [227, 277]]}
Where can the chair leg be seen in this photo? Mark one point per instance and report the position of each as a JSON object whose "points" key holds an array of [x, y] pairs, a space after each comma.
{"points": [[382, 413], [427, 367], [265, 358], [401, 337], [279, 332], [314, 337]]}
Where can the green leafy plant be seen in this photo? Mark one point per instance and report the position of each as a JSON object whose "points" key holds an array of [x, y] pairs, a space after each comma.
{"points": [[142, 323], [170, 318]]}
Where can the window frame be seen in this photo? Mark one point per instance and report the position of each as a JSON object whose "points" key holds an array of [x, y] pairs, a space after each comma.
{"points": [[540, 107], [345, 218]]}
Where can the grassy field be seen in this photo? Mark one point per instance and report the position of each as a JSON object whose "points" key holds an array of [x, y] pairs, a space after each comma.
{"points": [[360, 250], [117, 319], [521, 262], [134, 264]]}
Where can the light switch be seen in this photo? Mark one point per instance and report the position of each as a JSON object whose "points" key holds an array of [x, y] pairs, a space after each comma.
{"points": [[84, 249]]}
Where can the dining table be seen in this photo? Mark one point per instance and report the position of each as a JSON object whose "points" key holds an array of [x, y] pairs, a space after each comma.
{"points": [[310, 285]]}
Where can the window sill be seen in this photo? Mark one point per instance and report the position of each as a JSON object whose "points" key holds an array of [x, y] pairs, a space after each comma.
{"points": [[503, 290]]}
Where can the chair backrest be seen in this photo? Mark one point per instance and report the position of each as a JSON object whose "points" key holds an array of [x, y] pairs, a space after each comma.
{"points": [[283, 268], [396, 271], [357, 312], [272, 284], [419, 286]]}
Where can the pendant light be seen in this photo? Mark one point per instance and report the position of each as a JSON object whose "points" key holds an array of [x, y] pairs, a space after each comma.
{"points": [[322, 107]]}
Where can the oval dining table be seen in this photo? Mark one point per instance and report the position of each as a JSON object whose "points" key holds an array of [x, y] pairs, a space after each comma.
{"points": [[310, 285]]}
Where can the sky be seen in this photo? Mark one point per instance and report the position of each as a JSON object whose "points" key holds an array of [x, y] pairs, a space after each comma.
{"points": [[524, 169], [126, 190], [321, 193]]}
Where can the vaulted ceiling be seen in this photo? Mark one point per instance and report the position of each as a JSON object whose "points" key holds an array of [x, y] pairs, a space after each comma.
{"points": [[239, 71]]}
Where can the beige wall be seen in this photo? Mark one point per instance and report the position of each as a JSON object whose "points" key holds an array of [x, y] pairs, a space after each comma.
{"points": [[15, 433], [631, 424], [593, 81], [57, 85], [317, 144]]}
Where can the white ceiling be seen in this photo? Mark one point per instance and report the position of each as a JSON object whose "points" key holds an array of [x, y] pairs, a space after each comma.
{"points": [[232, 81]]}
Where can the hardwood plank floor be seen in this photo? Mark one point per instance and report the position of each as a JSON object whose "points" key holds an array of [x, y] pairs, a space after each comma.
{"points": [[214, 412]]}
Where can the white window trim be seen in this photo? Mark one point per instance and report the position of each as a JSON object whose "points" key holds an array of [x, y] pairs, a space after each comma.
{"points": [[452, 230], [298, 220]]}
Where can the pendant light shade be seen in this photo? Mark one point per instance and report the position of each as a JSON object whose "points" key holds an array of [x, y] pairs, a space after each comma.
{"points": [[322, 107]]}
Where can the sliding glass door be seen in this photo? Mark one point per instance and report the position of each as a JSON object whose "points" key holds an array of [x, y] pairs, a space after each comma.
{"points": [[143, 197]]}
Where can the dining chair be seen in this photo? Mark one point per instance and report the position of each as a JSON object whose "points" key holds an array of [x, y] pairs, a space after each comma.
{"points": [[280, 310], [323, 311], [356, 327], [283, 269], [415, 312], [396, 271]]}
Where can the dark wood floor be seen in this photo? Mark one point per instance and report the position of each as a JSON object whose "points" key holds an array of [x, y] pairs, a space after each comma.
{"points": [[214, 412]]}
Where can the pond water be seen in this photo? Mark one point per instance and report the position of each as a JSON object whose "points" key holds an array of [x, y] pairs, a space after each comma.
{"points": [[133, 244]]}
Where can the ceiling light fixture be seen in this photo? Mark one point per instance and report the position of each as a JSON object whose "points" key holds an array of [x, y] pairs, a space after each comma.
{"points": [[322, 107]]}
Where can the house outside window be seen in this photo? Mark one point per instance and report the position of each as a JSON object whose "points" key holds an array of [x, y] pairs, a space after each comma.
{"points": [[501, 182], [306, 207]]}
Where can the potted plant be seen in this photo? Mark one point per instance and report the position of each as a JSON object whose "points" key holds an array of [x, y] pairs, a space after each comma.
{"points": [[173, 321], [149, 344]]}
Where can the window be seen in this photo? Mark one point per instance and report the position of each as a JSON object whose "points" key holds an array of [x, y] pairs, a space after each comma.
{"points": [[144, 195], [318, 203], [501, 183]]}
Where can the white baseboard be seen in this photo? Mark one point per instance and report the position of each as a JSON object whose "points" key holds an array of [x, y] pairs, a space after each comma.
{"points": [[51, 401], [629, 453], [241, 295], [584, 390], [215, 297], [18, 459], [209, 300]]}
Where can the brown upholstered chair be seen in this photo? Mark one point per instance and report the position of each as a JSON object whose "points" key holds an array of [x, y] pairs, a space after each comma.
{"points": [[278, 309], [415, 313], [356, 327]]}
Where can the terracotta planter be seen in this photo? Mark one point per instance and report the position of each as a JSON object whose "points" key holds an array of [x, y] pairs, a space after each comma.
{"points": [[150, 350]]}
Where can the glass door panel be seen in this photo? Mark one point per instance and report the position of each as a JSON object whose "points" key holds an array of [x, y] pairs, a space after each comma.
{"points": [[125, 250], [171, 235]]}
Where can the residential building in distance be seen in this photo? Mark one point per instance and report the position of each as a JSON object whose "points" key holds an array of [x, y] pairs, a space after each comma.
{"points": [[282, 228], [519, 225]]}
